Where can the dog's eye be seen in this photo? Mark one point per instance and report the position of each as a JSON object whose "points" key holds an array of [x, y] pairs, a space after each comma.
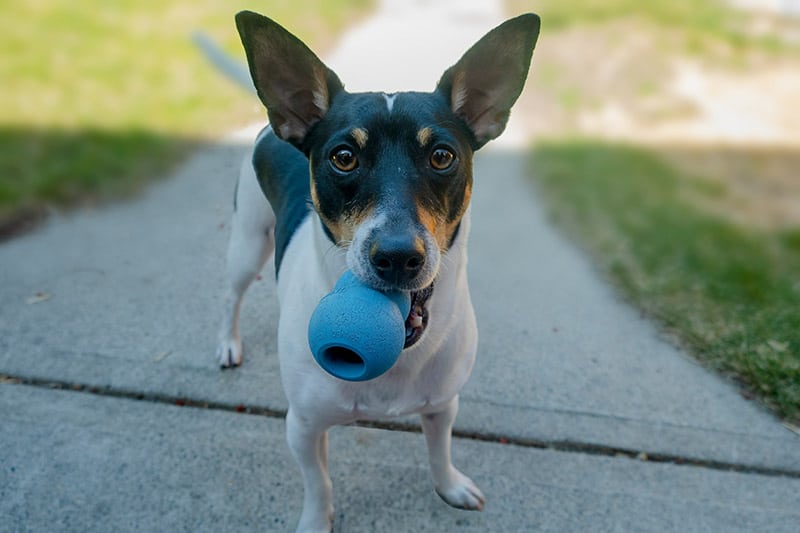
{"points": [[344, 160], [442, 159]]}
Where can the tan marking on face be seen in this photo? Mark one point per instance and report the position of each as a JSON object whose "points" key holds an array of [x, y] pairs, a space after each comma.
{"points": [[332, 225], [428, 220], [348, 225], [453, 225], [442, 229], [344, 228], [423, 136], [360, 136], [435, 225]]}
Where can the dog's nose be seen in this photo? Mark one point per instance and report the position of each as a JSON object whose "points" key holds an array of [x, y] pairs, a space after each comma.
{"points": [[397, 259]]}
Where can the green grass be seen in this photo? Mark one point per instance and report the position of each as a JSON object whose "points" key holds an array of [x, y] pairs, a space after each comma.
{"points": [[701, 23], [704, 15], [730, 293], [98, 97]]}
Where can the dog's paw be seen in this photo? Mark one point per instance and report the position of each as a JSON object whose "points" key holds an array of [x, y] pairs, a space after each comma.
{"points": [[460, 492], [316, 522], [229, 353]]}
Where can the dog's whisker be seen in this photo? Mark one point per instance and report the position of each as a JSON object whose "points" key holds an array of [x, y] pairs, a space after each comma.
{"points": [[340, 249], [446, 263]]}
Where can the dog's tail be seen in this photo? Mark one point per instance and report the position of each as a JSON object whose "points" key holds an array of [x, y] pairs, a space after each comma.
{"points": [[229, 67]]}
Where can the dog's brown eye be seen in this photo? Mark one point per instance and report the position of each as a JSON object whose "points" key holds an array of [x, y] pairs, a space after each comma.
{"points": [[442, 159], [344, 160]]}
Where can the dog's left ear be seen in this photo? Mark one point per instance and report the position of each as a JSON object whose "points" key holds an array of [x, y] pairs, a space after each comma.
{"points": [[488, 79]]}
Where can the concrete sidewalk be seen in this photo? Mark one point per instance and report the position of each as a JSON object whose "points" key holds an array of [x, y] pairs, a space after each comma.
{"points": [[77, 462], [578, 415]]}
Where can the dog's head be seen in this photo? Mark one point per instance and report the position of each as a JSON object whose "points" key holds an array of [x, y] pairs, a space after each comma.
{"points": [[391, 175]]}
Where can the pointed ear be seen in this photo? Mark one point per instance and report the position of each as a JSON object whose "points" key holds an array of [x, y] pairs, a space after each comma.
{"points": [[487, 80], [294, 85]]}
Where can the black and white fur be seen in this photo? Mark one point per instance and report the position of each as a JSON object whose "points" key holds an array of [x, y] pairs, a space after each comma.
{"points": [[380, 184]]}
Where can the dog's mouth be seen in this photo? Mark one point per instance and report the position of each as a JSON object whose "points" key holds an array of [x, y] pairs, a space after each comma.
{"points": [[417, 319]]}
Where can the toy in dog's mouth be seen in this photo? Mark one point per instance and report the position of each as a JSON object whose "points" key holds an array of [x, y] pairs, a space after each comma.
{"points": [[417, 319]]}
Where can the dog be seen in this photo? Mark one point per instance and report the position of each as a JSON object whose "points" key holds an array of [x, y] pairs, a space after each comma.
{"points": [[379, 184]]}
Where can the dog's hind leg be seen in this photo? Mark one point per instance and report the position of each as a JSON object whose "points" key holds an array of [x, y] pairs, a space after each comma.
{"points": [[452, 486], [251, 242]]}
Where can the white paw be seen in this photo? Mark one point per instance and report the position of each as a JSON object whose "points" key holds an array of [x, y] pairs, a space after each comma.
{"points": [[460, 492], [321, 522], [229, 352]]}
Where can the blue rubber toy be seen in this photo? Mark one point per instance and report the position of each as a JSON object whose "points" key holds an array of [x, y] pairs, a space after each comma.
{"points": [[356, 333]]}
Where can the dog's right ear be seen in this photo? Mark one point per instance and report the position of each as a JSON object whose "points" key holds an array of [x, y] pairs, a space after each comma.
{"points": [[294, 84], [488, 79]]}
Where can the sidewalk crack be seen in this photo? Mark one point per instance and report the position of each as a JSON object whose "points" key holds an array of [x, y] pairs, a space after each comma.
{"points": [[566, 446]]}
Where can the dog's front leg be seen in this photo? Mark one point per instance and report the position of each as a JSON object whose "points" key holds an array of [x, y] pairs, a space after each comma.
{"points": [[309, 445], [452, 486], [251, 242]]}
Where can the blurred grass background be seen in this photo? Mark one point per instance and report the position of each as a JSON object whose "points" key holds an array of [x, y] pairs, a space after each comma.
{"points": [[99, 97], [699, 24], [701, 234]]}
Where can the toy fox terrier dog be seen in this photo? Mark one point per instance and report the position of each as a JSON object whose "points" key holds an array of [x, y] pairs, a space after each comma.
{"points": [[379, 184]]}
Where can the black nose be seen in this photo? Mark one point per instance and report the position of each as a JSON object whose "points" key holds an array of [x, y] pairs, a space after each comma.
{"points": [[397, 259]]}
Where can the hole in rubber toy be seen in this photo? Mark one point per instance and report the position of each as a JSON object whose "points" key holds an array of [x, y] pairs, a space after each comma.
{"points": [[347, 361]]}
